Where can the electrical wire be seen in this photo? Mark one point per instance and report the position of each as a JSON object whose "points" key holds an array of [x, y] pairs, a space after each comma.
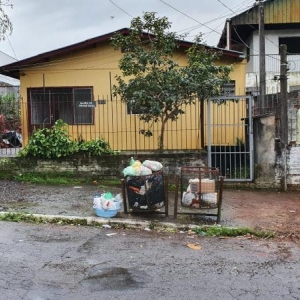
{"points": [[121, 8], [12, 48], [203, 24], [40, 65], [247, 24]]}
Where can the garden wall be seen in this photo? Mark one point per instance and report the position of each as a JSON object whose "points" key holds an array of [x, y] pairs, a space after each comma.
{"points": [[106, 165]]}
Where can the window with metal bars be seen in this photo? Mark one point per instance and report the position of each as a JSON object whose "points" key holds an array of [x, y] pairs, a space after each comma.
{"points": [[47, 105], [229, 88]]}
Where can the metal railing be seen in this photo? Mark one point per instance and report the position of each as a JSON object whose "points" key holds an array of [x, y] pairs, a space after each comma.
{"points": [[272, 62]]}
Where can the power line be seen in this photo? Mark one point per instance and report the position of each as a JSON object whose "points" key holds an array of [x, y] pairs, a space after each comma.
{"points": [[210, 21], [226, 6], [11, 47], [247, 24], [189, 16], [121, 8]]}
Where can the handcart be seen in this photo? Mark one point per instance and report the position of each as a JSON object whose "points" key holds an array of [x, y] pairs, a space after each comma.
{"points": [[201, 190], [149, 193]]}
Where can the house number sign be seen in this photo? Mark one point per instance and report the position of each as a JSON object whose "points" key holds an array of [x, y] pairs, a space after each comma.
{"points": [[85, 104]]}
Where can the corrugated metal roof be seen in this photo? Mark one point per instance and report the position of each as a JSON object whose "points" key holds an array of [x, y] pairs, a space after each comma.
{"points": [[276, 12]]}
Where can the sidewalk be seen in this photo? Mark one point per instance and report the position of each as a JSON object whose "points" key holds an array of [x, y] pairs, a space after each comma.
{"points": [[268, 210]]}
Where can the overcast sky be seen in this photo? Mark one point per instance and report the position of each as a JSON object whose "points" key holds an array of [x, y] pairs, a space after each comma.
{"points": [[45, 25]]}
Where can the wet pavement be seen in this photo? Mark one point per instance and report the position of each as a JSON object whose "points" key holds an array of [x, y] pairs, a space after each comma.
{"points": [[48, 261], [268, 210]]}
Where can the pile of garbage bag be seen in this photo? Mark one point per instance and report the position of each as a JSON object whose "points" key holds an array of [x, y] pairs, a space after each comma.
{"points": [[138, 168], [145, 184]]}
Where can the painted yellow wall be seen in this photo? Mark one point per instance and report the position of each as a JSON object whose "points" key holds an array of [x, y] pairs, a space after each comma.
{"points": [[98, 66]]}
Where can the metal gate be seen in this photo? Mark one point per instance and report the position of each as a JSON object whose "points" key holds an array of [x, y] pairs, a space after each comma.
{"points": [[229, 136]]}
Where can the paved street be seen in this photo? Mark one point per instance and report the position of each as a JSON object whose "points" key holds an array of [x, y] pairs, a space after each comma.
{"points": [[71, 262]]}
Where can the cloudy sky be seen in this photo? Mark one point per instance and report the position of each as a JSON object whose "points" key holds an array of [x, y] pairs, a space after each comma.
{"points": [[45, 25]]}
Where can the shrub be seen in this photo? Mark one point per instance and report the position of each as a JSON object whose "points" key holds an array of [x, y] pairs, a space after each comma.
{"points": [[10, 113], [50, 142], [95, 147], [55, 142]]}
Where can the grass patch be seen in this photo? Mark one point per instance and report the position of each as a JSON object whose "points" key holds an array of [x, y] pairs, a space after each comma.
{"points": [[109, 182], [22, 217], [50, 178], [231, 232], [65, 178]]}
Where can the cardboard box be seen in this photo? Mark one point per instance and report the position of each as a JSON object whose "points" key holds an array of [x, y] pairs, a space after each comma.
{"points": [[205, 186]]}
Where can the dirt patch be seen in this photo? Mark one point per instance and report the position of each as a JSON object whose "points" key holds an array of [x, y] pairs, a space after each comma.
{"points": [[273, 211], [256, 209]]}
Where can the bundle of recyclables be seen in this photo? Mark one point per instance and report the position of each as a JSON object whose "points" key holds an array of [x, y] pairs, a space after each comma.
{"points": [[203, 190], [106, 205]]}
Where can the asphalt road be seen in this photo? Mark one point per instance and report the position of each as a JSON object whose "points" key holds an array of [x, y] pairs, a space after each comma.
{"points": [[71, 262]]}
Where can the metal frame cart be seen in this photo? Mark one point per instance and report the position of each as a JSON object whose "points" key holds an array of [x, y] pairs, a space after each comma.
{"points": [[201, 192], [149, 193]]}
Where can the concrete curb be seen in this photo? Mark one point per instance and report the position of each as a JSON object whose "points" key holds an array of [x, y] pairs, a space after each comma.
{"points": [[113, 222]]}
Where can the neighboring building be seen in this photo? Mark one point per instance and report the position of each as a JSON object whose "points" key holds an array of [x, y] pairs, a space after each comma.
{"points": [[74, 84], [7, 84], [281, 26], [275, 159]]}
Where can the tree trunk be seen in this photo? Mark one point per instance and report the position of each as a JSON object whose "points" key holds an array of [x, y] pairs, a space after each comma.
{"points": [[162, 133]]}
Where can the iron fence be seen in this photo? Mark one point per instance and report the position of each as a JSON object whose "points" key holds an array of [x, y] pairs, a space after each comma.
{"points": [[112, 121]]}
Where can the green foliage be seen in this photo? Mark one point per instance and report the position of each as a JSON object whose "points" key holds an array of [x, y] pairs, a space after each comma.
{"points": [[152, 81], [240, 172], [5, 24], [55, 143], [95, 147], [232, 232], [9, 113], [51, 178], [50, 142], [29, 218]]}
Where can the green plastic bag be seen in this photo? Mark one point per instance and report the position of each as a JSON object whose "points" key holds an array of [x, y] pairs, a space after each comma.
{"points": [[108, 196]]}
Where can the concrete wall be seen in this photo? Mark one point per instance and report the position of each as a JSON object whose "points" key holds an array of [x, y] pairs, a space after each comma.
{"points": [[267, 154], [107, 165], [276, 165]]}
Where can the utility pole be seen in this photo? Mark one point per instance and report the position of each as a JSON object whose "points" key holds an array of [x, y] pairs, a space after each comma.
{"points": [[283, 111], [262, 55], [283, 95]]}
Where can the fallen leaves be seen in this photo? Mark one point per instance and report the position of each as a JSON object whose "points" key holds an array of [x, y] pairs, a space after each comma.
{"points": [[194, 246]]}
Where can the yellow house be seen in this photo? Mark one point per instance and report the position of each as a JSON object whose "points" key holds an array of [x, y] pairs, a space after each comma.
{"points": [[74, 83]]}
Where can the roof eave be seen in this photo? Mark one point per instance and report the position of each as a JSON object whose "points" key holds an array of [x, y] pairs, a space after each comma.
{"points": [[15, 69]]}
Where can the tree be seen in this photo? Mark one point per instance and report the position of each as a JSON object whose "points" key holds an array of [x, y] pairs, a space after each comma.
{"points": [[153, 83], [9, 113], [5, 23]]}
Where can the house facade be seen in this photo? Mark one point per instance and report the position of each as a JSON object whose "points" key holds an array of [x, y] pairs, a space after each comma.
{"points": [[74, 84]]}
